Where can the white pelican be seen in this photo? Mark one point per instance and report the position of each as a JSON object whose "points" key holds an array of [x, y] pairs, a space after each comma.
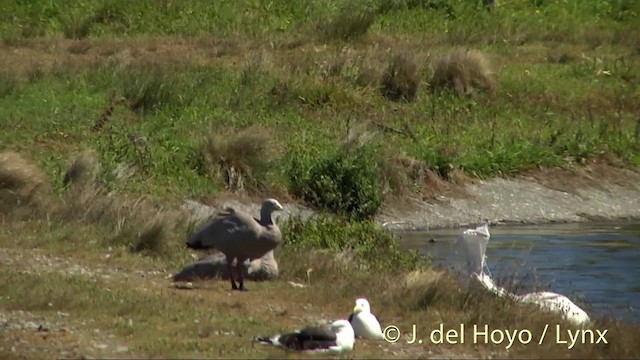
{"points": [[474, 242]]}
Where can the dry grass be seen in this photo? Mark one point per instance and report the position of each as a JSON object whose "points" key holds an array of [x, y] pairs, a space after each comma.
{"points": [[80, 47], [140, 224], [358, 134], [90, 216], [240, 159], [405, 175], [464, 71], [137, 223], [402, 174], [151, 238], [23, 183], [83, 170], [351, 23], [401, 79]]}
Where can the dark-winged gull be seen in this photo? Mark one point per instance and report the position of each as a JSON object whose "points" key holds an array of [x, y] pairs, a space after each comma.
{"points": [[364, 323], [336, 337], [214, 266], [240, 236], [475, 241]]}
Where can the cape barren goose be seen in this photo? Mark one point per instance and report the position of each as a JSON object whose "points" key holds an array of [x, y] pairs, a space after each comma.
{"points": [[240, 236], [215, 266]]}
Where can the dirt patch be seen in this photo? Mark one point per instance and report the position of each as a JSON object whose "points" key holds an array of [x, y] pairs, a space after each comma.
{"points": [[571, 180], [32, 335]]}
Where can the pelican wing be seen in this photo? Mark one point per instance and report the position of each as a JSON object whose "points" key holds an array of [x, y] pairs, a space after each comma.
{"points": [[474, 242]]}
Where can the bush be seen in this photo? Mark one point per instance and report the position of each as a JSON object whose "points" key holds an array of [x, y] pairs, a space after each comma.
{"points": [[344, 183], [373, 247]]}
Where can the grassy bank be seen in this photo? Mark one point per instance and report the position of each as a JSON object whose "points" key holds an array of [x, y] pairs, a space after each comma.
{"points": [[307, 100], [113, 112]]}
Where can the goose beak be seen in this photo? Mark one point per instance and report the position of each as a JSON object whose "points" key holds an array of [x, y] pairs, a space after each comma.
{"points": [[357, 309]]}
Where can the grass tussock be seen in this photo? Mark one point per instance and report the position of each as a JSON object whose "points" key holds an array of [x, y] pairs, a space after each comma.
{"points": [[151, 239], [133, 224], [401, 79], [83, 170], [402, 174], [464, 71], [240, 159], [136, 223], [23, 183], [352, 22], [151, 87]]}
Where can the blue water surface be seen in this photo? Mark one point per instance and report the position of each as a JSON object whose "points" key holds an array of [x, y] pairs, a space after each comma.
{"points": [[594, 264]]}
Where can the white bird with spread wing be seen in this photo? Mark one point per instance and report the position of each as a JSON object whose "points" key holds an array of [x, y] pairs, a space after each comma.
{"points": [[474, 242]]}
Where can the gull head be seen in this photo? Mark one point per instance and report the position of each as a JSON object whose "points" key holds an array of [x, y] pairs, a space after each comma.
{"points": [[362, 305]]}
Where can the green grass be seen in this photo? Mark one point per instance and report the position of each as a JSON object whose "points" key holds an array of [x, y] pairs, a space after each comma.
{"points": [[544, 115]]}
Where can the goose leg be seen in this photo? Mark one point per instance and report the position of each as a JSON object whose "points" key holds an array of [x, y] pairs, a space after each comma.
{"points": [[239, 266], [230, 270]]}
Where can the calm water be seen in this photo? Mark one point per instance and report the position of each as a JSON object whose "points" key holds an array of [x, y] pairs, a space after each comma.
{"points": [[595, 265]]}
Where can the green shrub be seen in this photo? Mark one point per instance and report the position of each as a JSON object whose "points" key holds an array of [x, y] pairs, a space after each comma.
{"points": [[372, 245], [344, 183]]}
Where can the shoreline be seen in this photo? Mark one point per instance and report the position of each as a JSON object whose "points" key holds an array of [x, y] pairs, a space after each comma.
{"points": [[516, 201]]}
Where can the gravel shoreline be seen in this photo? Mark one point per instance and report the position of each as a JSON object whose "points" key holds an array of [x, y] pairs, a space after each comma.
{"points": [[501, 201], [518, 201]]}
